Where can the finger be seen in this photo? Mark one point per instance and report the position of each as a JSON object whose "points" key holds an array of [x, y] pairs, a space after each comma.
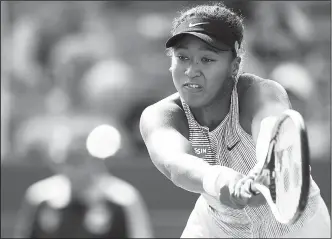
{"points": [[246, 188], [236, 190], [238, 186], [245, 195], [252, 188], [238, 202], [254, 172], [264, 180]]}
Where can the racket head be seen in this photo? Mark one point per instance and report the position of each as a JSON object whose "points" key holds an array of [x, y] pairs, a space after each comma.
{"points": [[289, 167]]}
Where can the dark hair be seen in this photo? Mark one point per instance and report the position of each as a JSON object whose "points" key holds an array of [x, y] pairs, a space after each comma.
{"points": [[216, 11]]}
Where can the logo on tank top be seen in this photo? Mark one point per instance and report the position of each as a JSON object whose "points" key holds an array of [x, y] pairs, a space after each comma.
{"points": [[232, 147], [201, 151]]}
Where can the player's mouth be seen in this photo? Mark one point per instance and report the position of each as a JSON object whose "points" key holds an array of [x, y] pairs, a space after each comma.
{"points": [[193, 87]]}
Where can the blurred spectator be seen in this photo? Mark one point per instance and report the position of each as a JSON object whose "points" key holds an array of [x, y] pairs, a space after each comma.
{"points": [[75, 54], [292, 29], [303, 96], [33, 135], [298, 83], [106, 86], [5, 116], [131, 121], [82, 199]]}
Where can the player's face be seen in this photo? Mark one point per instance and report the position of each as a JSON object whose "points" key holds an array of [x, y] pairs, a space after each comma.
{"points": [[199, 71], [76, 162]]}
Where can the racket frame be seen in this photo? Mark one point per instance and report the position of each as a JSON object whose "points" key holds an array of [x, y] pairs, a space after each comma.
{"points": [[268, 167]]}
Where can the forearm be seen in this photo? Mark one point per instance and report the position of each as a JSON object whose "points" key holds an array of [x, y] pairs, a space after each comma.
{"points": [[195, 175], [139, 223], [187, 171], [23, 227], [176, 160]]}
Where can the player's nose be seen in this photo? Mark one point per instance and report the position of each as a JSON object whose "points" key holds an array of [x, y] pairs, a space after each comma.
{"points": [[193, 70]]}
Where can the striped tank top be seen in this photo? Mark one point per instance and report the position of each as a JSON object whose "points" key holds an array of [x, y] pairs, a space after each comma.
{"points": [[229, 145]]}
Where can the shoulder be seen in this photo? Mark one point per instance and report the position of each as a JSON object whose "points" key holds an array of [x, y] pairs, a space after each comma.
{"points": [[44, 190], [256, 93], [166, 113], [247, 81], [121, 192], [255, 89], [164, 107]]}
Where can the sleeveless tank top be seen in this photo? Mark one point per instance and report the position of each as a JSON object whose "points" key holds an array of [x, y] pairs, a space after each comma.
{"points": [[73, 221], [229, 145]]}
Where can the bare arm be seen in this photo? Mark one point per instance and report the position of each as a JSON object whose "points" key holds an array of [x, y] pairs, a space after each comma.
{"points": [[140, 223], [26, 216], [164, 131], [269, 101], [137, 215]]}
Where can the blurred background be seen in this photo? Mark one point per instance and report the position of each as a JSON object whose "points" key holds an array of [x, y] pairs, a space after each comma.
{"points": [[104, 62]]}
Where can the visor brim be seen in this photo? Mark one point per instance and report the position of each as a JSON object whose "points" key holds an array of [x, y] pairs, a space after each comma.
{"points": [[172, 41]]}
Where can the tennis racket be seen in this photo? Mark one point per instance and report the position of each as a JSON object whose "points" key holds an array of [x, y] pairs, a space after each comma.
{"points": [[286, 169]]}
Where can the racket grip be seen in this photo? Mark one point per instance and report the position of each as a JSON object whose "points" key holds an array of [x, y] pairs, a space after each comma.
{"points": [[272, 188], [252, 189]]}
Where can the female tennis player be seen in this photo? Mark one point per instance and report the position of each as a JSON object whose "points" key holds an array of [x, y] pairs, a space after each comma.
{"points": [[207, 137]]}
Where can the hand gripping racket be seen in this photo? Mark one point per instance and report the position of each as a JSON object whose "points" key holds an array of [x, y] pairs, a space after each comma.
{"points": [[286, 169]]}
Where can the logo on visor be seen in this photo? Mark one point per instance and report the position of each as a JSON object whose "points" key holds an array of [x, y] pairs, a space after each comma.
{"points": [[197, 24]]}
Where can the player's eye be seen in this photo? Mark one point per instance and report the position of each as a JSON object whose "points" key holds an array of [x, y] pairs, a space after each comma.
{"points": [[207, 60], [182, 58]]}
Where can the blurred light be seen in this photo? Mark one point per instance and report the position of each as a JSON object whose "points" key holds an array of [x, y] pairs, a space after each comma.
{"points": [[153, 26], [105, 77], [53, 133], [104, 141], [294, 77]]}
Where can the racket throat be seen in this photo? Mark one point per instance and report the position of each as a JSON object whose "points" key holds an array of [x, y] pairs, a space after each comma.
{"points": [[272, 175]]}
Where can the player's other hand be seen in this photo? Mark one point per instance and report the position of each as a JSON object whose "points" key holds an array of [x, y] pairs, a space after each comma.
{"points": [[238, 194], [256, 199], [232, 195]]}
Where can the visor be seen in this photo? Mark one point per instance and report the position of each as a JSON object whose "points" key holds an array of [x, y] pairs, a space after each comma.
{"points": [[216, 33]]}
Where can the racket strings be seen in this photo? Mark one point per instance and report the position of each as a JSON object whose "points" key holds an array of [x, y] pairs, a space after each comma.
{"points": [[287, 172]]}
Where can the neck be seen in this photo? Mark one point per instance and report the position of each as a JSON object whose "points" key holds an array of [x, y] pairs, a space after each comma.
{"points": [[213, 114], [89, 191]]}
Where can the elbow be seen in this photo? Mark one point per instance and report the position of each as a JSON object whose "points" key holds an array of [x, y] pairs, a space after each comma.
{"points": [[172, 173], [163, 168], [174, 177], [168, 170]]}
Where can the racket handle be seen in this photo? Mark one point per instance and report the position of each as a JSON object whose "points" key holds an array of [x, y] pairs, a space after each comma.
{"points": [[252, 189], [272, 188]]}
